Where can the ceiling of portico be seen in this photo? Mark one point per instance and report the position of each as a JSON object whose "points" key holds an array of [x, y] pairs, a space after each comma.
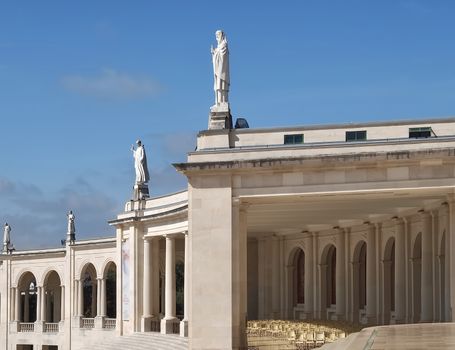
{"points": [[316, 212]]}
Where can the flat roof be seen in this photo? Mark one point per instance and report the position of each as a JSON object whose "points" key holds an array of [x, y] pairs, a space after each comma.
{"points": [[450, 119]]}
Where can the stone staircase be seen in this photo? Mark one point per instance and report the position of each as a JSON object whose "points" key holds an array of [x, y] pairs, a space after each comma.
{"points": [[143, 341]]}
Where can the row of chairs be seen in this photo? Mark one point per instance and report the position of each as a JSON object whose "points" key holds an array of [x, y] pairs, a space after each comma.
{"points": [[300, 335]]}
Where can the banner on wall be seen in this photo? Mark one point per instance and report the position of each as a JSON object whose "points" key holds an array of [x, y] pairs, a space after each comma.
{"points": [[126, 280]]}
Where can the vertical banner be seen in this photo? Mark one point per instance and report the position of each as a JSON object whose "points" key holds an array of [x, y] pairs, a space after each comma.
{"points": [[126, 280]]}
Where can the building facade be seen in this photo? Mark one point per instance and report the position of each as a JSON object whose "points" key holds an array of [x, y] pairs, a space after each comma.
{"points": [[349, 222]]}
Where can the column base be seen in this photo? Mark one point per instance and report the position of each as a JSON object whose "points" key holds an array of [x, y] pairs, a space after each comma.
{"points": [[14, 327], [76, 322], [146, 323], [168, 326], [99, 322], [184, 328], [39, 327], [371, 320]]}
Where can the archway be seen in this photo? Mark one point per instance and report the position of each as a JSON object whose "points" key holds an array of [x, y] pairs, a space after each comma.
{"points": [[389, 280], [28, 298], [328, 280], [359, 287], [110, 276], [296, 283], [417, 278], [88, 278], [53, 297]]}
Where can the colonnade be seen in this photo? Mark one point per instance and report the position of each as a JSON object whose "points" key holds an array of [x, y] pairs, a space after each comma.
{"points": [[150, 312], [98, 306], [405, 272], [44, 307]]}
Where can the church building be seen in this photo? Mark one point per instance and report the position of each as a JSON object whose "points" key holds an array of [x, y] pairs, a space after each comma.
{"points": [[343, 222]]}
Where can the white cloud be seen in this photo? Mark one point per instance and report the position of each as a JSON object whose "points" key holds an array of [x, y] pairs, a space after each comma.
{"points": [[38, 219], [112, 84]]}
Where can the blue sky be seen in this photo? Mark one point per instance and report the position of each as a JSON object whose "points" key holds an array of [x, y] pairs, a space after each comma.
{"points": [[80, 81]]}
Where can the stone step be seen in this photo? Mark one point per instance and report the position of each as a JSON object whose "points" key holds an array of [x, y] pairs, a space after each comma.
{"points": [[143, 341]]}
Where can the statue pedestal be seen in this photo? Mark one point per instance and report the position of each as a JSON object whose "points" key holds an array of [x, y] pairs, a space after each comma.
{"points": [[220, 117], [141, 191]]}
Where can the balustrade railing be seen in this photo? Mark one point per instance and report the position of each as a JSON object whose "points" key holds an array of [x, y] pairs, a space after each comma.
{"points": [[88, 323], [110, 323], [51, 327], [26, 327]]}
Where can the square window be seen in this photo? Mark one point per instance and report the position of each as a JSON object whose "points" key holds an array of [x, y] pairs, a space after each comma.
{"points": [[356, 135], [293, 139], [419, 133]]}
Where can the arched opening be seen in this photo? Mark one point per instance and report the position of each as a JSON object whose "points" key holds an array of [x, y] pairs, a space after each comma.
{"points": [[328, 280], [179, 288], [417, 278], [28, 298], [53, 298], [442, 281], [389, 280], [88, 278], [359, 293], [299, 277], [296, 283], [110, 275]]}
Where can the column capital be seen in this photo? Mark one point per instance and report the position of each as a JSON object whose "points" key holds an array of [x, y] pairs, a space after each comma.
{"points": [[424, 214], [450, 198], [398, 220]]}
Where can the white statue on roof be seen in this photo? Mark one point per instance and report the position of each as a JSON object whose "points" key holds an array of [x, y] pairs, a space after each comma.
{"points": [[220, 59], [6, 237]]}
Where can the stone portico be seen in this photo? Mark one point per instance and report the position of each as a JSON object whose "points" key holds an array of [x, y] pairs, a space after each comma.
{"points": [[285, 223], [326, 228]]}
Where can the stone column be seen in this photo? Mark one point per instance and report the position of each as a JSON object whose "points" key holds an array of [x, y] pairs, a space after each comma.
{"points": [[261, 279], [103, 297], [155, 270], [27, 306], [43, 304], [98, 297], [340, 276], [169, 304], [17, 312], [99, 319], [289, 292], [426, 314], [62, 303], [81, 298], [309, 307], [447, 315], [146, 305], [322, 291], [38, 303], [400, 272], [275, 285], [186, 289], [371, 275]]}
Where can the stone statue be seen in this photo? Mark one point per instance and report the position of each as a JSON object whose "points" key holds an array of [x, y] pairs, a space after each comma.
{"points": [[71, 234], [6, 237], [220, 59], [140, 163]]}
